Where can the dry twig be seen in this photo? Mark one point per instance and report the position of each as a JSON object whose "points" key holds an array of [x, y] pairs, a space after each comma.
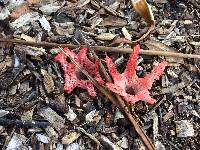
{"points": [[102, 48], [26, 123]]}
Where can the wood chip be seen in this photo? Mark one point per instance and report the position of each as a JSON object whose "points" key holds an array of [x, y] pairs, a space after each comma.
{"points": [[184, 128], [93, 116], [48, 81], [3, 113], [25, 19], [82, 3], [44, 23], [28, 38], [106, 36], [51, 133], [50, 115], [19, 11], [49, 8], [126, 34], [123, 143], [42, 138], [113, 21], [71, 137], [4, 13], [168, 115], [112, 145], [16, 142]]}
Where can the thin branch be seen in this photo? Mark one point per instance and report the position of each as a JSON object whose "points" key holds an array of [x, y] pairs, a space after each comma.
{"points": [[26, 123], [102, 48], [147, 141]]}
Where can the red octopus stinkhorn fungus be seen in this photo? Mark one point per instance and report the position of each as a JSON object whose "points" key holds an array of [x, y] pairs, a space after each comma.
{"points": [[128, 84], [73, 76]]}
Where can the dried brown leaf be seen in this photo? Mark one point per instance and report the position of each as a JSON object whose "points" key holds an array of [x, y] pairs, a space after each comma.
{"points": [[144, 9]]}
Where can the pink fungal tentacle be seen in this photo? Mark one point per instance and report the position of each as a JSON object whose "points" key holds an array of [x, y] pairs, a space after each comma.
{"points": [[130, 70], [73, 76], [112, 69], [156, 72], [129, 80]]}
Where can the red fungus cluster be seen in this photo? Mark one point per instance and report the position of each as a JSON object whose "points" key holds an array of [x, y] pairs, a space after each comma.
{"points": [[127, 84], [73, 76]]}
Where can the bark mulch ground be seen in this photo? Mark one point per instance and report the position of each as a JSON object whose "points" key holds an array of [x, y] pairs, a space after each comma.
{"points": [[36, 112]]}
